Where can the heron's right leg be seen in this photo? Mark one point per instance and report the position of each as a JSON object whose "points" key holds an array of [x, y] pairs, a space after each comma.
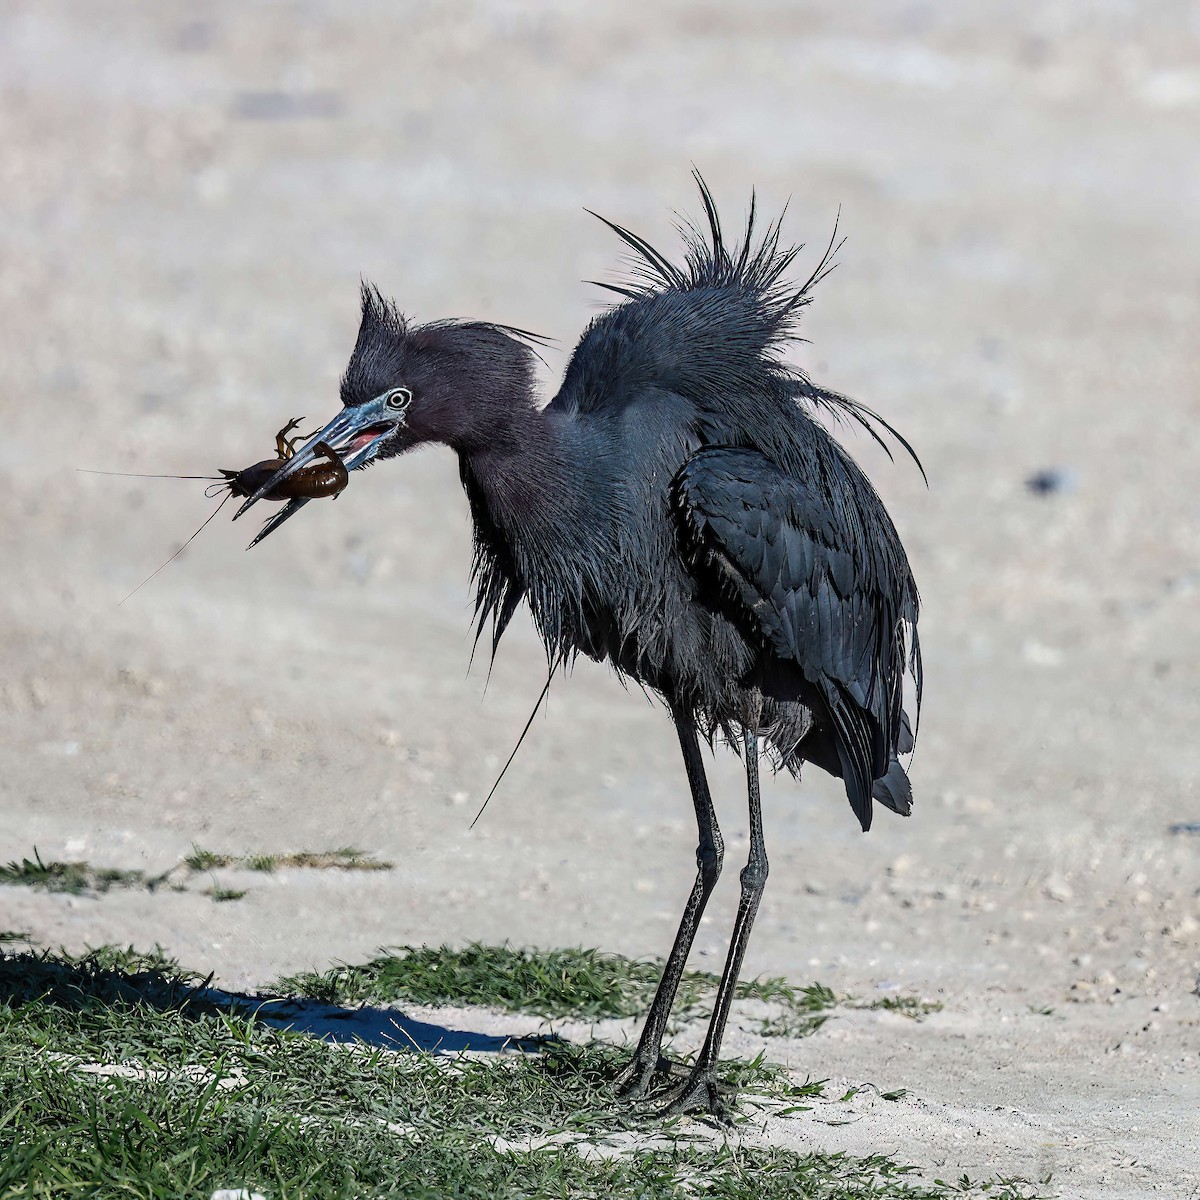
{"points": [[635, 1079]]}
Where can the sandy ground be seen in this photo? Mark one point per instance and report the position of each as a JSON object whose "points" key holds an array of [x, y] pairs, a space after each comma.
{"points": [[188, 202]]}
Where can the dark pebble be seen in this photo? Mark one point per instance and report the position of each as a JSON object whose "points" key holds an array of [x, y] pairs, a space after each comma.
{"points": [[1050, 481]]}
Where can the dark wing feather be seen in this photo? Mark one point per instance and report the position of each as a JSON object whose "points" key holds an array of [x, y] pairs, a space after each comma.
{"points": [[787, 559]]}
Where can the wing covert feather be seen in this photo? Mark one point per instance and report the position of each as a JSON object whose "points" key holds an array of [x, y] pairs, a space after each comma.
{"points": [[797, 566]]}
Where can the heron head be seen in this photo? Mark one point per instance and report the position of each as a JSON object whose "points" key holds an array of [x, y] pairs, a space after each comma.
{"points": [[408, 384]]}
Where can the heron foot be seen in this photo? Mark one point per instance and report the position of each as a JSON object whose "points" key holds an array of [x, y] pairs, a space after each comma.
{"points": [[635, 1080], [702, 1092]]}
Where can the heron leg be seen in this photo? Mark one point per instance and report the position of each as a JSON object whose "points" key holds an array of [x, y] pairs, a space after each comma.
{"points": [[635, 1079], [700, 1090]]}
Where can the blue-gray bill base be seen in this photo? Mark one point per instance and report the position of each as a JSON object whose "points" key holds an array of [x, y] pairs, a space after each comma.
{"points": [[678, 511]]}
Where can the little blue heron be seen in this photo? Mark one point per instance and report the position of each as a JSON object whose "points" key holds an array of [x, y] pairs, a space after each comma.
{"points": [[677, 511]]}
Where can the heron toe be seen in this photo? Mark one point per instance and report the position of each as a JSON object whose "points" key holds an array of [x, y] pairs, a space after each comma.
{"points": [[635, 1080], [702, 1093]]}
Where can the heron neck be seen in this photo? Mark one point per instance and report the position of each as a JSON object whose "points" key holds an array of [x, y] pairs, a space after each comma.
{"points": [[521, 472]]}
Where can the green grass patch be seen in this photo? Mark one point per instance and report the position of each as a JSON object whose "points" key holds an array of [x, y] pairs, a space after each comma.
{"points": [[548, 983], [72, 877], [118, 1078], [803, 1010], [554, 983], [576, 983], [207, 860], [912, 1007], [80, 877], [108, 975], [344, 858]]}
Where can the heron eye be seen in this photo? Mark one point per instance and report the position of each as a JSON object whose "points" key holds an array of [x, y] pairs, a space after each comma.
{"points": [[399, 398]]}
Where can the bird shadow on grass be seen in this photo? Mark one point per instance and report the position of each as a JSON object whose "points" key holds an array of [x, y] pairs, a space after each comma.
{"points": [[384, 1027], [116, 978]]}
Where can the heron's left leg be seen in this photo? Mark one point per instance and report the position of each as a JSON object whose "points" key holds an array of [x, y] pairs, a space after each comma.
{"points": [[635, 1079], [699, 1091]]}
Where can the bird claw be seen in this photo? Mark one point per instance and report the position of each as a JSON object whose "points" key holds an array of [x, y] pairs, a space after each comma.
{"points": [[701, 1092], [634, 1081]]}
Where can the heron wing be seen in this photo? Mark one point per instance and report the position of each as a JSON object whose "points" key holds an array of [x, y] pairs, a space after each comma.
{"points": [[793, 562]]}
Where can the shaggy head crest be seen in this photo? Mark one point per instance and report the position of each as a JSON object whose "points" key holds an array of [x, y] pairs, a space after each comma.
{"points": [[389, 344], [740, 294], [709, 263]]}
